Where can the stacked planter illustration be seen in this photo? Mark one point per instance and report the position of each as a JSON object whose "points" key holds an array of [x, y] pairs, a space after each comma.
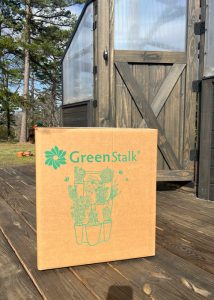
{"points": [[92, 195]]}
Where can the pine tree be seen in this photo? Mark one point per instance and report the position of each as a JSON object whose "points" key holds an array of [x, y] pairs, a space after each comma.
{"points": [[47, 66], [39, 15], [10, 68], [38, 30]]}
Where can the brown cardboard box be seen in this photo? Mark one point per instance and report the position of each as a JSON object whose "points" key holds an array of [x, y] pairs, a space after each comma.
{"points": [[96, 195]]}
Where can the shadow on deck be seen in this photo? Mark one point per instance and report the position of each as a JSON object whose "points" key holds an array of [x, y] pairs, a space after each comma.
{"points": [[183, 267]]}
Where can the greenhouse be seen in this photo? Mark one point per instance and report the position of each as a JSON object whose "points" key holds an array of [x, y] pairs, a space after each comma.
{"points": [[140, 64]]}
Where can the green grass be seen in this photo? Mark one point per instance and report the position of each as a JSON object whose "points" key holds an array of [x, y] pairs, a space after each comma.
{"points": [[8, 154]]}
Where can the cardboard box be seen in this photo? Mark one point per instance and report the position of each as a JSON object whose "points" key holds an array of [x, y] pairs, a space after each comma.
{"points": [[96, 195]]}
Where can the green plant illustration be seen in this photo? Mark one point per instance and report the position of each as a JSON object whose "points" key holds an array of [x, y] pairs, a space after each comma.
{"points": [[79, 175], [93, 218], [107, 175], [101, 194], [55, 158], [106, 214], [113, 192], [92, 195]]}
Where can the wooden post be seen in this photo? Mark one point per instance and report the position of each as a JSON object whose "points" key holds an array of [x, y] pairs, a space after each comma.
{"points": [[112, 75], [95, 46], [206, 161], [191, 75], [103, 63]]}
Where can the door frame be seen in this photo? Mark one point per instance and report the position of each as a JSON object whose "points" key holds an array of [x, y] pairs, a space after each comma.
{"points": [[106, 70]]}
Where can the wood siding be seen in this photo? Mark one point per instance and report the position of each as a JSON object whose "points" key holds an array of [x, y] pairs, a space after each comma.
{"points": [[78, 115], [206, 155]]}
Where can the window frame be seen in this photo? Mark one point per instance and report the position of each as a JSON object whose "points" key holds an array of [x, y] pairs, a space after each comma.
{"points": [[158, 51], [88, 2]]}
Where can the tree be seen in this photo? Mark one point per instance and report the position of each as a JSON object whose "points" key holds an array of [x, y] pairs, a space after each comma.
{"points": [[47, 66], [10, 67], [38, 16], [32, 26]]}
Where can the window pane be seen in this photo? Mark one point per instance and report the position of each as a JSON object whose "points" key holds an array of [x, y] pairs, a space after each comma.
{"points": [[78, 62], [209, 40], [150, 25]]}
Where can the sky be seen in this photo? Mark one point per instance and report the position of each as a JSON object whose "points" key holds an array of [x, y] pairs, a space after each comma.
{"points": [[76, 9]]}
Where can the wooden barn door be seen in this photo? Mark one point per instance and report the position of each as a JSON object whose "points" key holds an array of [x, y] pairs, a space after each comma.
{"points": [[154, 89], [157, 106]]}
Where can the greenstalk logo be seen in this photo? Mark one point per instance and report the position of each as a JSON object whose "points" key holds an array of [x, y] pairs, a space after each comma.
{"points": [[55, 158]]}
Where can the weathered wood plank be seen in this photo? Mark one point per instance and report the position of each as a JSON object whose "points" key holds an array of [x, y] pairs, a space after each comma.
{"points": [[182, 116], [19, 202], [191, 74], [172, 119], [191, 231], [212, 139], [186, 229], [149, 57], [191, 199], [16, 201], [157, 75], [203, 4], [191, 278], [141, 74], [212, 158], [175, 175], [23, 175], [103, 66], [196, 238], [95, 62], [178, 218], [212, 176], [211, 192], [179, 245], [205, 138], [101, 277], [162, 279], [54, 284], [14, 281], [76, 116], [165, 89], [146, 111], [200, 226], [112, 71], [186, 201], [123, 104], [18, 183], [27, 173], [198, 222], [169, 91]]}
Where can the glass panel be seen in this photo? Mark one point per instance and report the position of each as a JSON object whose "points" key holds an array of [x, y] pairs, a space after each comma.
{"points": [[150, 25], [78, 62], [209, 40]]}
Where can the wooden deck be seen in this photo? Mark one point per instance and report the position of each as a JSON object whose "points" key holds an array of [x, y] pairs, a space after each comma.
{"points": [[183, 267]]}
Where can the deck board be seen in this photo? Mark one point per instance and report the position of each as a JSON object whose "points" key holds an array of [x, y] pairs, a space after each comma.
{"points": [[54, 284], [14, 281], [183, 267]]}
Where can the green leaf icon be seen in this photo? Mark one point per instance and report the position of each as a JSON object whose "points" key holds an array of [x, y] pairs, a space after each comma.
{"points": [[55, 158]]}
